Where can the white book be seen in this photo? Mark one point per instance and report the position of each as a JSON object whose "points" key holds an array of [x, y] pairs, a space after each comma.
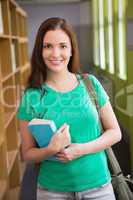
{"points": [[1, 20], [13, 57]]}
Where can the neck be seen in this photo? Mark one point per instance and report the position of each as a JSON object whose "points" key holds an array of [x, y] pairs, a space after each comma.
{"points": [[59, 76]]}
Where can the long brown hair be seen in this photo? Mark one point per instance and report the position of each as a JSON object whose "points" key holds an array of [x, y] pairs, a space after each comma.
{"points": [[38, 68]]}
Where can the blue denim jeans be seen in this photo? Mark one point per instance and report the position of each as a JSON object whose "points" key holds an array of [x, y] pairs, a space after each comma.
{"points": [[105, 192]]}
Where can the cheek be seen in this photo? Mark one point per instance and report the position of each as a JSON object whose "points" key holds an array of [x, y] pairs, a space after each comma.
{"points": [[67, 54], [45, 54], [45, 57]]}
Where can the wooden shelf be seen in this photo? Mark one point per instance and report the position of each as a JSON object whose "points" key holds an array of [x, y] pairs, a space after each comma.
{"points": [[14, 70], [3, 170], [8, 99], [12, 128], [1, 140], [2, 36], [7, 77], [18, 88], [14, 3], [23, 40], [11, 155], [3, 188], [21, 12], [14, 37], [14, 193], [22, 168], [21, 23], [5, 16], [25, 67], [1, 125], [10, 75], [13, 18], [25, 70], [14, 180], [8, 116], [5, 57], [24, 53]]}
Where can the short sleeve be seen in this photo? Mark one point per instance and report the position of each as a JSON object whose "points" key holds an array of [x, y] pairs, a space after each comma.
{"points": [[100, 91], [24, 111]]}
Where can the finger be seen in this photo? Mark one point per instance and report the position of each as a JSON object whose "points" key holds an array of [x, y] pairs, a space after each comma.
{"points": [[62, 151], [59, 154], [66, 147], [67, 128], [61, 157], [62, 128], [63, 160]]}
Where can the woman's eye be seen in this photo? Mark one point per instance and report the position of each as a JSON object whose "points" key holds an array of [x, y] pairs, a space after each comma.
{"points": [[47, 46], [63, 46]]}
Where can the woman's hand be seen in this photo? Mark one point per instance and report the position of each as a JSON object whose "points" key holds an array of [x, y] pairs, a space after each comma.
{"points": [[70, 153], [60, 139]]}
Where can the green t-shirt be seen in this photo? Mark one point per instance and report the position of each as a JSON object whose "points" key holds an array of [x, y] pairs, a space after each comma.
{"points": [[78, 110]]}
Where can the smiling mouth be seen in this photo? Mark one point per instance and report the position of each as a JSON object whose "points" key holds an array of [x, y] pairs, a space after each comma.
{"points": [[55, 62]]}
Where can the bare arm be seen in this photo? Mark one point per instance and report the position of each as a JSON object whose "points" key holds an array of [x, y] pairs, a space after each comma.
{"points": [[31, 153], [111, 135]]}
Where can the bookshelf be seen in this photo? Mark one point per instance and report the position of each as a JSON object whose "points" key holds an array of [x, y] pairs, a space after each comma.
{"points": [[14, 70]]}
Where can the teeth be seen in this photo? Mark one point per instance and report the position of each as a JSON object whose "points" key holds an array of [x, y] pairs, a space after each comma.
{"points": [[56, 61]]}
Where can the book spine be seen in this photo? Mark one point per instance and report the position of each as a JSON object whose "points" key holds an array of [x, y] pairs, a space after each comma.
{"points": [[1, 20]]}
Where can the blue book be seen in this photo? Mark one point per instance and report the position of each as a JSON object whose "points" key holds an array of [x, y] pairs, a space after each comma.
{"points": [[42, 130]]}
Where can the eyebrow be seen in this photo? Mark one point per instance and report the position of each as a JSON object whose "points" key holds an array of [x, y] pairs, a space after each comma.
{"points": [[59, 43]]}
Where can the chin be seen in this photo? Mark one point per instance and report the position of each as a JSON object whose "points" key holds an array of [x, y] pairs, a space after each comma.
{"points": [[56, 68]]}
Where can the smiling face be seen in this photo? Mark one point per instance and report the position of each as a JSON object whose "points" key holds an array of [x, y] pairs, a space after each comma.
{"points": [[57, 49]]}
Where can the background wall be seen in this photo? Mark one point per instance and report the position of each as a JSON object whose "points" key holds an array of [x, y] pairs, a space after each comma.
{"points": [[122, 87], [86, 37], [78, 14]]}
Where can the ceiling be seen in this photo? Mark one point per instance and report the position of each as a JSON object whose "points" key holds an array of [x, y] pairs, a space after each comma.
{"points": [[48, 1]]}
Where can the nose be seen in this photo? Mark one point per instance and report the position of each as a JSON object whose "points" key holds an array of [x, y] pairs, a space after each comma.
{"points": [[56, 52]]}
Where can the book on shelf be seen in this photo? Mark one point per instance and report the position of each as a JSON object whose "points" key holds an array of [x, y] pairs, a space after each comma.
{"points": [[1, 20], [13, 57], [42, 130]]}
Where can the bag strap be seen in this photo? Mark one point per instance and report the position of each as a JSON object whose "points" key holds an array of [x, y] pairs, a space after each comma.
{"points": [[41, 114], [115, 167]]}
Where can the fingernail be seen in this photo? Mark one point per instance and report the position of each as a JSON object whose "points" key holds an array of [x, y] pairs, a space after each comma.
{"points": [[65, 124]]}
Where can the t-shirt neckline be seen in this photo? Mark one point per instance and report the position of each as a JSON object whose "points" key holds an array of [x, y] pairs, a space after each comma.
{"points": [[59, 92]]}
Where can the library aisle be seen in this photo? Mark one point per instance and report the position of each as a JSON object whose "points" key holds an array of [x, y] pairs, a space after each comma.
{"points": [[14, 69]]}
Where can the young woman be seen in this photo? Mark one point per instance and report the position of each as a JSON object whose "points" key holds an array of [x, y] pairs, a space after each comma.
{"points": [[57, 92]]}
